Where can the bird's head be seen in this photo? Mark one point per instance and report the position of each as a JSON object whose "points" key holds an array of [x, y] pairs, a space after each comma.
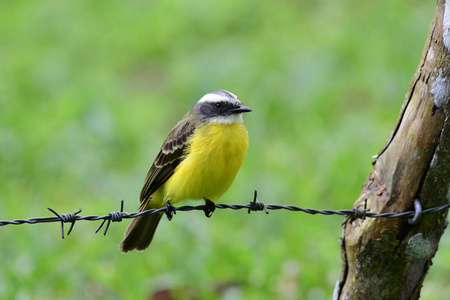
{"points": [[221, 107]]}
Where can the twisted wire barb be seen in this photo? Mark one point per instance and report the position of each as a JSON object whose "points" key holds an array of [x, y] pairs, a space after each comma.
{"points": [[255, 205]]}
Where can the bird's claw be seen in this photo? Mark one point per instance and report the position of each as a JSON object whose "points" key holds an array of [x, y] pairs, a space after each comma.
{"points": [[210, 207], [169, 210]]}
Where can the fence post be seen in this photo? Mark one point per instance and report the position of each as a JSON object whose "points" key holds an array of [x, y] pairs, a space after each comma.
{"points": [[388, 258]]}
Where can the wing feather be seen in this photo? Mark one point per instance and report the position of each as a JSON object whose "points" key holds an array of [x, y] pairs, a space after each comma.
{"points": [[172, 152]]}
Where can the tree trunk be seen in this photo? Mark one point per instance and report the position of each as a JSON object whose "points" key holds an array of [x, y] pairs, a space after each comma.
{"points": [[387, 258]]}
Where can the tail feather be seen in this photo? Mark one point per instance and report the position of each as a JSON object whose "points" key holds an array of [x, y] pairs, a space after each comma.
{"points": [[140, 232]]}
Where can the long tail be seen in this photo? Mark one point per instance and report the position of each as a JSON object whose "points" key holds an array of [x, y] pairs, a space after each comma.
{"points": [[140, 232]]}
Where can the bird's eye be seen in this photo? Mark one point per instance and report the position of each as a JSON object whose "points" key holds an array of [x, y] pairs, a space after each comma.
{"points": [[218, 105]]}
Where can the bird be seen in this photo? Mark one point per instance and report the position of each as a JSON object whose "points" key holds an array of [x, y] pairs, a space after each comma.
{"points": [[198, 160]]}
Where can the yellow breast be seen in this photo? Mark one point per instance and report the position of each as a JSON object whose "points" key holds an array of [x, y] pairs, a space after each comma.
{"points": [[215, 155]]}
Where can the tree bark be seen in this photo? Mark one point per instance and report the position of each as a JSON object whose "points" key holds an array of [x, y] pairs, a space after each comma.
{"points": [[387, 258]]}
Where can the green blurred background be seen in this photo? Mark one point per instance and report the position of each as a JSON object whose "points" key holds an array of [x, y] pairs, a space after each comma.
{"points": [[90, 89]]}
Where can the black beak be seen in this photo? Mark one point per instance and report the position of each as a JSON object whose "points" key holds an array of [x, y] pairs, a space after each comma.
{"points": [[240, 109]]}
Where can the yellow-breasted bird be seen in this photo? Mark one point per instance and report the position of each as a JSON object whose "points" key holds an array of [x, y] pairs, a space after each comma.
{"points": [[198, 160]]}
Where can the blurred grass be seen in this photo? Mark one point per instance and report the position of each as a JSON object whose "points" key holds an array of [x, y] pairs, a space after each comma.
{"points": [[89, 91]]}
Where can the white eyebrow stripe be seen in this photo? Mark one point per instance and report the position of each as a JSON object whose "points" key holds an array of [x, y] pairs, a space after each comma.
{"points": [[220, 96], [213, 98]]}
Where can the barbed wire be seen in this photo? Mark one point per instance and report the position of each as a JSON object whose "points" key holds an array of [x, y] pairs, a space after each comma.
{"points": [[208, 208]]}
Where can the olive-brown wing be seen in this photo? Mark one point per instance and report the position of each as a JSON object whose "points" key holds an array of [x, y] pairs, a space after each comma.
{"points": [[169, 157]]}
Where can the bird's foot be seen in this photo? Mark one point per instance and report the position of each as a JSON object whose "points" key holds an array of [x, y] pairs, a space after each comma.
{"points": [[169, 210], [210, 207]]}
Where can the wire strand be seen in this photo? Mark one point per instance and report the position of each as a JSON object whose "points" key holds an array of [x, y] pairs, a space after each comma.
{"points": [[255, 205]]}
